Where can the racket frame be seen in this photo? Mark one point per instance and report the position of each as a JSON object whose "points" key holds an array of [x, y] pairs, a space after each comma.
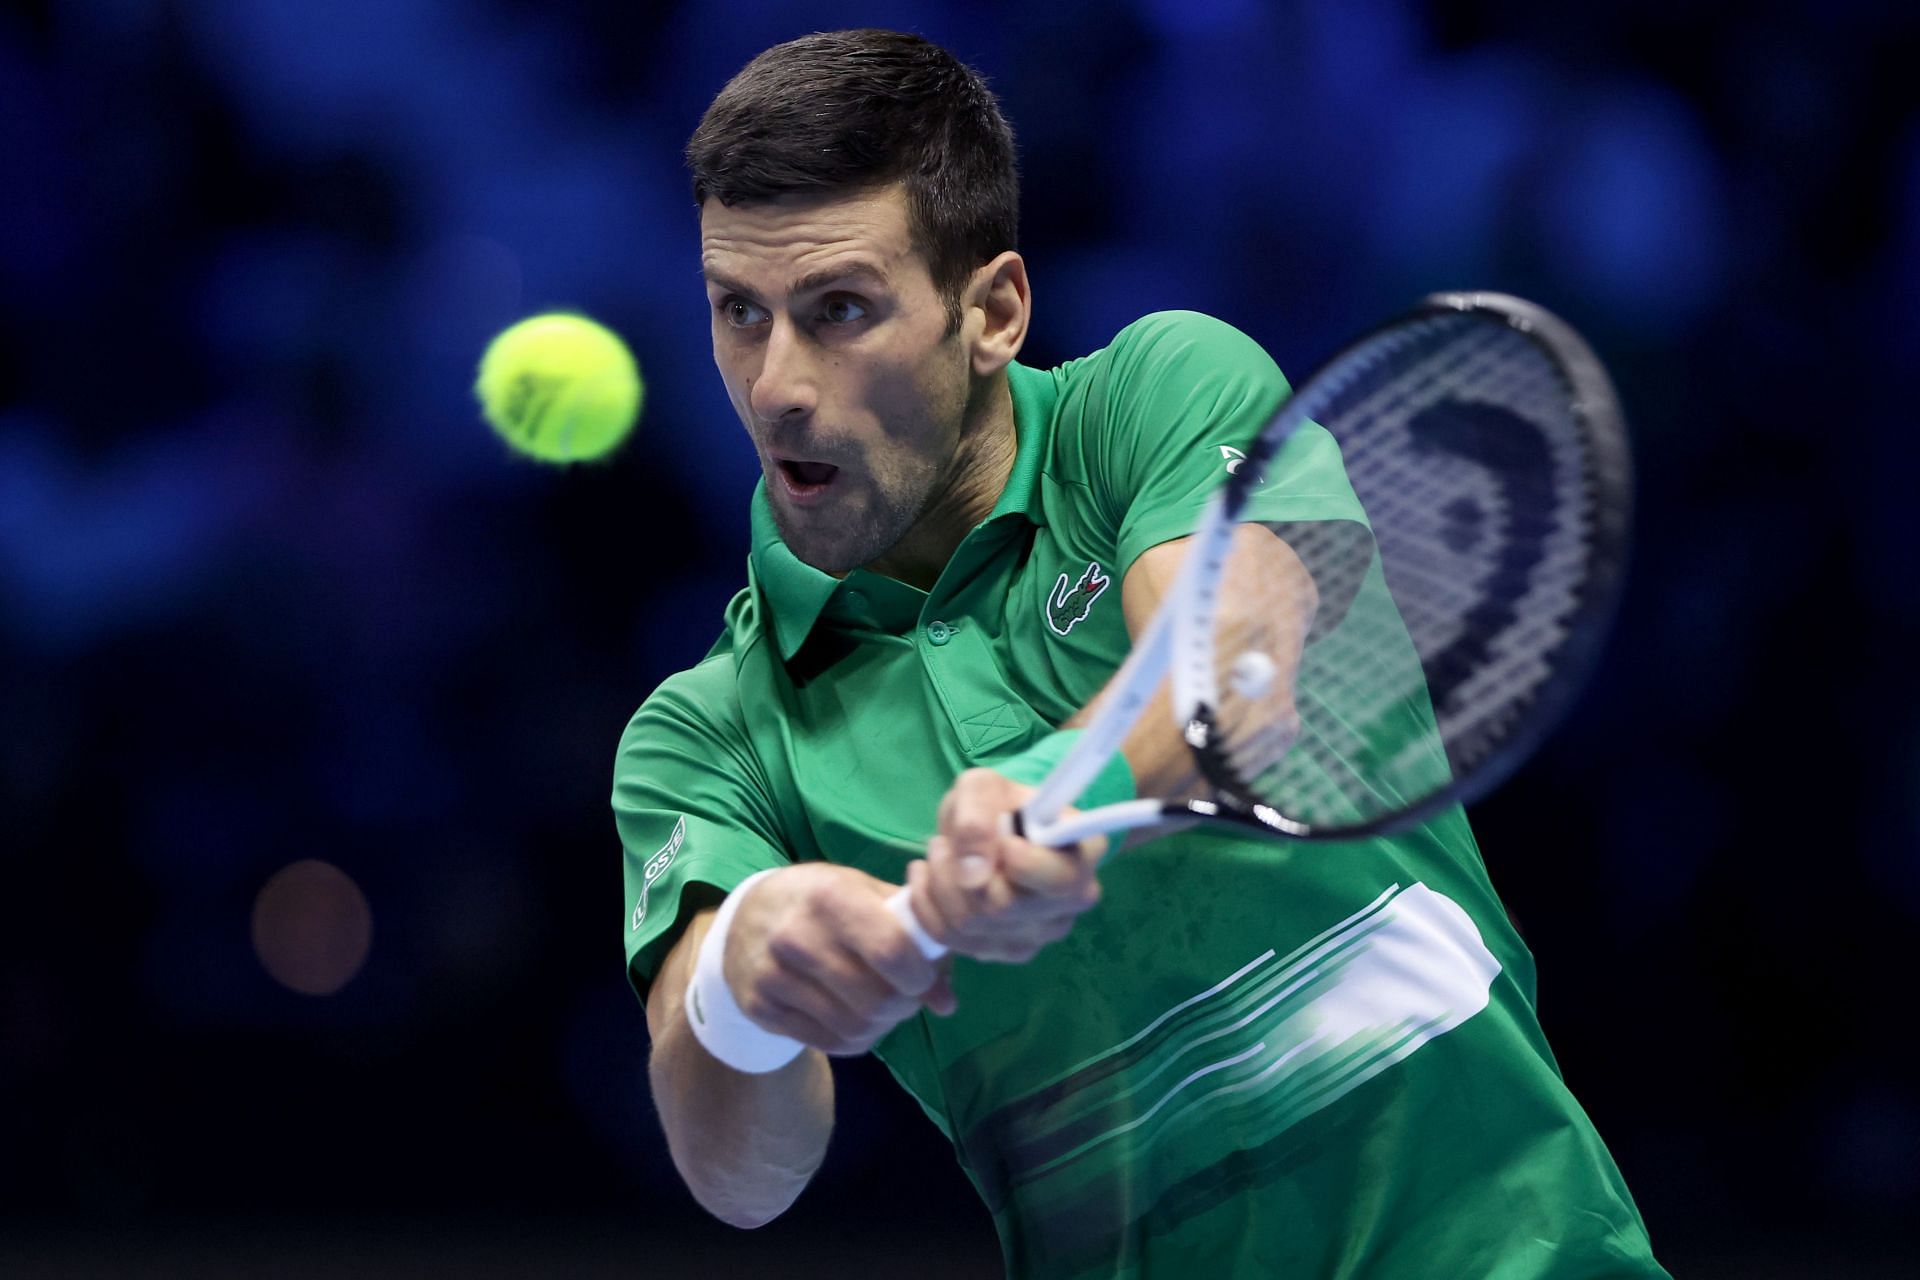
{"points": [[1178, 638]]}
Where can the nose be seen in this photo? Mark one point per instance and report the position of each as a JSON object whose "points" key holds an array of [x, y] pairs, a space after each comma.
{"points": [[785, 385]]}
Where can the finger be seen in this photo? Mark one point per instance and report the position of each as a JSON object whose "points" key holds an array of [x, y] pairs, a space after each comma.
{"points": [[858, 1024], [1015, 943], [881, 942], [920, 895], [980, 799], [1056, 873], [996, 923], [972, 913], [793, 1021], [954, 904], [832, 983], [940, 998], [974, 864]]}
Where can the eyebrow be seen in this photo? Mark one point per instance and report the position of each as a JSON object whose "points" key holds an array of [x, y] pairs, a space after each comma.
{"points": [[812, 282]]}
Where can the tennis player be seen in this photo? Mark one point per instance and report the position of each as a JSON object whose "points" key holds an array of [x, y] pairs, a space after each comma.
{"points": [[1222, 1057]]}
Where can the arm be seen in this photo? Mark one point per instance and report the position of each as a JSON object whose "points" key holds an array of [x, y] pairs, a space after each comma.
{"points": [[1151, 452], [990, 895], [1262, 572], [745, 1145], [813, 954]]}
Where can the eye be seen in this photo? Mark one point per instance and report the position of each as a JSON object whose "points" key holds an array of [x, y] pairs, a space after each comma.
{"points": [[842, 309], [739, 313]]}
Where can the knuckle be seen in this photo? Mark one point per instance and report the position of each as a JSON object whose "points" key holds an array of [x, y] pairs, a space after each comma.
{"points": [[756, 1004], [833, 1017], [787, 945], [997, 898], [821, 893], [900, 963], [855, 1045], [770, 986], [971, 826], [972, 941], [848, 1026]]}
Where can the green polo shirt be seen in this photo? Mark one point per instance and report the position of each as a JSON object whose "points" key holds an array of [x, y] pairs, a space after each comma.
{"points": [[1252, 1058]]}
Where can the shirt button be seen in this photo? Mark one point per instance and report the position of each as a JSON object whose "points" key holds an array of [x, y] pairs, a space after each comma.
{"points": [[940, 632], [856, 600]]}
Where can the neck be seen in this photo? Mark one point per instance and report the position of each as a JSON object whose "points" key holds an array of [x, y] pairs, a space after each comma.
{"points": [[981, 467]]}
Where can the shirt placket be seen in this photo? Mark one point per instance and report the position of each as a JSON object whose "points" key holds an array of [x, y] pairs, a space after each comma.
{"points": [[955, 643]]}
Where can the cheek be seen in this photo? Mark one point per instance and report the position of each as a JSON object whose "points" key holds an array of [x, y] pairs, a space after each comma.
{"points": [[942, 394], [923, 402], [735, 375]]}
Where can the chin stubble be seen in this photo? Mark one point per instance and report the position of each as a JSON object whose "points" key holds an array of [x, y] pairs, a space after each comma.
{"points": [[844, 543]]}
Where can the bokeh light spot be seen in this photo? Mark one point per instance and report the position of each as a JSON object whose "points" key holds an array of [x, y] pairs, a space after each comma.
{"points": [[312, 928]]}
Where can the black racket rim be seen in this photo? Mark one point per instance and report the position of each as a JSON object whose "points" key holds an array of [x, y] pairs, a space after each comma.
{"points": [[1228, 812]]}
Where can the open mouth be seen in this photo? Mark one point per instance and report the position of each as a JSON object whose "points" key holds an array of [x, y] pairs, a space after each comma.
{"points": [[806, 479]]}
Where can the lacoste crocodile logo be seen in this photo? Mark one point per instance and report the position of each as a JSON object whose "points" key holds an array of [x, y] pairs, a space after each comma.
{"points": [[1068, 607]]}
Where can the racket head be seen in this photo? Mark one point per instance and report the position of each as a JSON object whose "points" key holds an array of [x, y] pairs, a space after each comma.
{"points": [[1451, 631]]}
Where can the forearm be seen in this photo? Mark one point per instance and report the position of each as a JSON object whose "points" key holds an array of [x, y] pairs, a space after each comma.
{"points": [[1160, 762], [746, 1145], [1267, 600]]}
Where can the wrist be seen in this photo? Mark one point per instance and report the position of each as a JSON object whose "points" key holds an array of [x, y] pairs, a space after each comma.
{"points": [[1114, 784], [717, 1019]]}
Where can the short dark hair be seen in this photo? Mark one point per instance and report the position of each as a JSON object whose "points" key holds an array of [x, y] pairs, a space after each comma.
{"points": [[851, 110]]}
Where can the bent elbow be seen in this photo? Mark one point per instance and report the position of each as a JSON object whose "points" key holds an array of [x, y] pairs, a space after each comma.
{"points": [[747, 1211], [748, 1218]]}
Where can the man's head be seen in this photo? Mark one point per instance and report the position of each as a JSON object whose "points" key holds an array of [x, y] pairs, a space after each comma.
{"points": [[858, 207], [842, 111]]}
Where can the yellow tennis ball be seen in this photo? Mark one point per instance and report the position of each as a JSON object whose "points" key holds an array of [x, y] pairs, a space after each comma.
{"points": [[560, 388]]}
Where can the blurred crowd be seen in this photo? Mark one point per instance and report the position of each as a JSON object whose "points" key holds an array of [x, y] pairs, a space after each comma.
{"points": [[272, 597]]}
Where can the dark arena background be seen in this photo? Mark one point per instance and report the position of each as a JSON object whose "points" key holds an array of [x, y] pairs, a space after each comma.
{"points": [[310, 961]]}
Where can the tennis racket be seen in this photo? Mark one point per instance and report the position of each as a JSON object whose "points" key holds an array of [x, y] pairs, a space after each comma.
{"points": [[1430, 645]]}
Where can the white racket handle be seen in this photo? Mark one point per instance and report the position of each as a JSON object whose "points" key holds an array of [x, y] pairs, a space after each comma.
{"points": [[1128, 815], [1128, 694], [1130, 690]]}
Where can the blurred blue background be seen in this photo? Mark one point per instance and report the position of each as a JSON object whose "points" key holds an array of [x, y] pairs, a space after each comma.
{"points": [[271, 595]]}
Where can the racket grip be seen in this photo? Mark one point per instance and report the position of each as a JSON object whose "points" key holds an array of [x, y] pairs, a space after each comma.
{"points": [[1128, 815], [900, 902]]}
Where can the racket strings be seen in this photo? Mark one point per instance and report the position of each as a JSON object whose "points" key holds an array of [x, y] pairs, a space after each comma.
{"points": [[1269, 603], [1465, 446], [1433, 505]]}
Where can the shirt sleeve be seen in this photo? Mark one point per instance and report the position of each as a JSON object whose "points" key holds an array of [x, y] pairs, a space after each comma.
{"points": [[692, 808], [1185, 393]]}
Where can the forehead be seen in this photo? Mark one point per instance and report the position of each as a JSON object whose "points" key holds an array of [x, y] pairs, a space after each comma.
{"points": [[771, 243]]}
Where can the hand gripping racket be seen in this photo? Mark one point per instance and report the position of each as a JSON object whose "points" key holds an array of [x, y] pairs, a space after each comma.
{"points": [[1430, 645]]}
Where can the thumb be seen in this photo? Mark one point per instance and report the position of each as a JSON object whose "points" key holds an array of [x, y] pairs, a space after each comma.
{"points": [[970, 869]]}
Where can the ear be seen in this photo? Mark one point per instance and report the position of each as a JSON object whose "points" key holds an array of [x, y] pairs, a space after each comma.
{"points": [[999, 305]]}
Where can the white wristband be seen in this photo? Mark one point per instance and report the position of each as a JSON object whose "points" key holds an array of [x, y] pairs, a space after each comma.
{"points": [[718, 1021]]}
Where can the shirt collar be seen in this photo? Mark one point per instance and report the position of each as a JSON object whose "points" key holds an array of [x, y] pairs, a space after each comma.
{"points": [[796, 593]]}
